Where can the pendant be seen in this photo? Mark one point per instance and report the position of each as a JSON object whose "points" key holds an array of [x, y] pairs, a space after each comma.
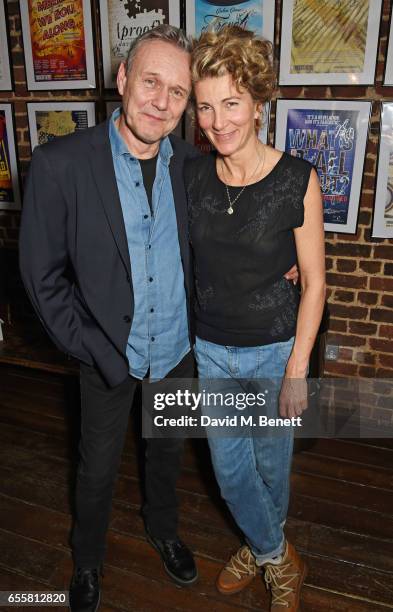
{"points": [[230, 210]]}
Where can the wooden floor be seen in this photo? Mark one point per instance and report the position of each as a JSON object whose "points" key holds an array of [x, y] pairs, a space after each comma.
{"points": [[340, 519]]}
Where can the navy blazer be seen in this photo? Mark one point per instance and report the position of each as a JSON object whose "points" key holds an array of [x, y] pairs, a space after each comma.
{"points": [[74, 257]]}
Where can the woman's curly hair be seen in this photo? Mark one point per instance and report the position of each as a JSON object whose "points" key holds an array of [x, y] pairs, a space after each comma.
{"points": [[240, 53]]}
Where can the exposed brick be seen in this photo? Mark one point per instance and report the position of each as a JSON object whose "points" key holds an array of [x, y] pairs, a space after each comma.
{"points": [[367, 297], [316, 92], [328, 263], [346, 265], [385, 402], [384, 373], [382, 315], [339, 325], [365, 358], [382, 284], [387, 300], [366, 329], [385, 346], [388, 269], [383, 251], [346, 354], [344, 296], [346, 340], [386, 360], [341, 369], [19, 74], [349, 250], [386, 331], [364, 217], [348, 312], [372, 267], [347, 280], [367, 372]]}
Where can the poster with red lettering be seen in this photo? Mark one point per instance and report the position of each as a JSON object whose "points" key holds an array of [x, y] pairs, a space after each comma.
{"points": [[58, 44]]}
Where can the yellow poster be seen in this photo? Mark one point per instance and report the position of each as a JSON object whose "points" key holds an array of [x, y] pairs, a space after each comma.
{"points": [[58, 40], [329, 36]]}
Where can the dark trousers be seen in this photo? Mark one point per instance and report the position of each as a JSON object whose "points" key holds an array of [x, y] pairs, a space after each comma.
{"points": [[104, 420]]}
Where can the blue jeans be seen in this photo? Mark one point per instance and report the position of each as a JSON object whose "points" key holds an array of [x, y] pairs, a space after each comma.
{"points": [[252, 471]]}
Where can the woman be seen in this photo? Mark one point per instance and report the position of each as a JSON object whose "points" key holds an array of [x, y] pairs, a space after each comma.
{"points": [[254, 212]]}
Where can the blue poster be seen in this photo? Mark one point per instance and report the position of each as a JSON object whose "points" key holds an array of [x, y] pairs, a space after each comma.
{"points": [[215, 14], [327, 139]]}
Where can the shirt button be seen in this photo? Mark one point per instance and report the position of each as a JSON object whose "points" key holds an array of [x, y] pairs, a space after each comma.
{"points": [[145, 216], [126, 318], [149, 247], [151, 309], [137, 184], [151, 279], [153, 338]]}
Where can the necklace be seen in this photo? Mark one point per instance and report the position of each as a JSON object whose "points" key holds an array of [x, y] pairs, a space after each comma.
{"points": [[230, 209]]}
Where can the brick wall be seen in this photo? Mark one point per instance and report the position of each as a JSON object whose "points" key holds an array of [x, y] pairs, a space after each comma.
{"points": [[360, 269]]}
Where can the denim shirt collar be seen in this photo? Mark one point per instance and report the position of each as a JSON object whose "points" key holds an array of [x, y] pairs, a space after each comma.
{"points": [[119, 147]]}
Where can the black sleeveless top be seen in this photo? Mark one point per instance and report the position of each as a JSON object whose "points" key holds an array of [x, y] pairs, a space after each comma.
{"points": [[242, 298]]}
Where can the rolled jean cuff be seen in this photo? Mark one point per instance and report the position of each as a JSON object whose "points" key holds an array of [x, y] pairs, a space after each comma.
{"points": [[260, 558]]}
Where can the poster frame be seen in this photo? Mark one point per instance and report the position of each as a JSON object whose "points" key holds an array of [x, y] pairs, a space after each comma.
{"points": [[379, 229], [268, 30], [6, 83], [364, 108], [32, 107], [109, 83], [32, 84], [388, 74], [11, 136], [367, 77]]}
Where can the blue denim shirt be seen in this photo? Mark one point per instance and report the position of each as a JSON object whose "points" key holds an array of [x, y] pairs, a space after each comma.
{"points": [[159, 332]]}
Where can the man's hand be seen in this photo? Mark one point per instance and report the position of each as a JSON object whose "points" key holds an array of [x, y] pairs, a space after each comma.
{"points": [[293, 397], [292, 274]]}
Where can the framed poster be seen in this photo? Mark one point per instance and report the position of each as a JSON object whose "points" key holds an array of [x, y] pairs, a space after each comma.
{"points": [[329, 42], [50, 120], [122, 22], [388, 79], [5, 68], [196, 137], [332, 135], [256, 15], [9, 178], [58, 44], [383, 205]]}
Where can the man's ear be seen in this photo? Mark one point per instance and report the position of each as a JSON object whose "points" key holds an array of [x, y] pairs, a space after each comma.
{"points": [[121, 78]]}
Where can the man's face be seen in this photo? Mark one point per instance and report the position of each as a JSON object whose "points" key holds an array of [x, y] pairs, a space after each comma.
{"points": [[155, 91]]}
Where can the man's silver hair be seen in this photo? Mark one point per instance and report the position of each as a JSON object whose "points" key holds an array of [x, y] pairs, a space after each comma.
{"points": [[166, 33]]}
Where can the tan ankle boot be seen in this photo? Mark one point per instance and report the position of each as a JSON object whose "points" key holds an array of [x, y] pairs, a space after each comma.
{"points": [[238, 572], [285, 581]]}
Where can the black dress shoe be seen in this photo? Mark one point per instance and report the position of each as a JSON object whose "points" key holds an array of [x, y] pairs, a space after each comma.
{"points": [[85, 590], [178, 561]]}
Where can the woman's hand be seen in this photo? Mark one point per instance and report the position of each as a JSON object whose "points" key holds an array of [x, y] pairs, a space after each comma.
{"points": [[293, 397]]}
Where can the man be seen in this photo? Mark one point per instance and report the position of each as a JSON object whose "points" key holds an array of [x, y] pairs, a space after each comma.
{"points": [[105, 259]]}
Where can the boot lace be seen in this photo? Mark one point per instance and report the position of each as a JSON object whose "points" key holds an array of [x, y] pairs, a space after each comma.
{"points": [[242, 563], [278, 578]]}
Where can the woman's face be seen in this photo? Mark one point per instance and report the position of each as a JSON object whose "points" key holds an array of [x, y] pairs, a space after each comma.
{"points": [[226, 115]]}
